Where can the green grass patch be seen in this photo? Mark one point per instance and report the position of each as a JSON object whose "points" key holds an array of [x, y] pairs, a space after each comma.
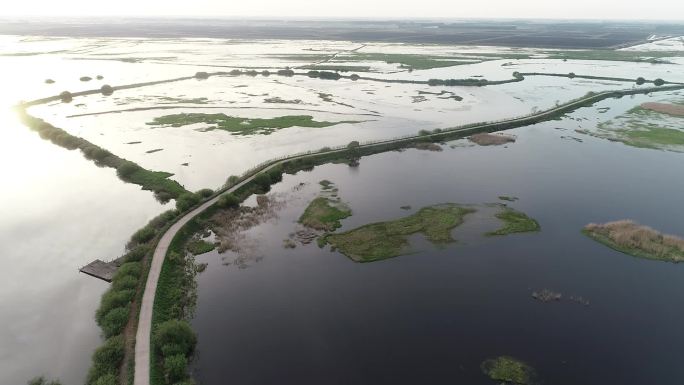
{"points": [[508, 370], [515, 222], [242, 126], [321, 214], [382, 240], [200, 246]]}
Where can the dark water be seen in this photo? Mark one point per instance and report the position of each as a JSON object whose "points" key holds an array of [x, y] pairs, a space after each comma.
{"points": [[309, 316]]}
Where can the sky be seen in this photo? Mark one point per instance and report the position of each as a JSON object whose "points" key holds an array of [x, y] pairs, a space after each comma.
{"points": [[379, 9]]}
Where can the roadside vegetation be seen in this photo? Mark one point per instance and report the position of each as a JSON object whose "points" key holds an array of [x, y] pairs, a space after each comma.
{"points": [[515, 222], [241, 126], [640, 241], [378, 241], [200, 246], [508, 370]]}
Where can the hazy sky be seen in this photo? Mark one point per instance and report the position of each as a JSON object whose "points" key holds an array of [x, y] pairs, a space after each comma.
{"points": [[582, 9]]}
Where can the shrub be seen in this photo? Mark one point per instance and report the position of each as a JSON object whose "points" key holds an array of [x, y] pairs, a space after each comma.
{"points": [[125, 282], [640, 81], [126, 169], [47, 81], [286, 72], [313, 74], [175, 332], [353, 144], [66, 97], [423, 132], [107, 359], [205, 192], [99, 77], [107, 90], [232, 180], [85, 78], [251, 73], [111, 300], [115, 321], [175, 367], [354, 77], [659, 82], [136, 254], [95, 153], [266, 73], [263, 181], [186, 201], [235, 72], [202, 75], [143, 235], [228, 200], [571, 75], [107, 379], [329, 75]]}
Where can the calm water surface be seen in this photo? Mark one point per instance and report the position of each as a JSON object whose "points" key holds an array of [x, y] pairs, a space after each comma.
{"points": [[312, 316]]}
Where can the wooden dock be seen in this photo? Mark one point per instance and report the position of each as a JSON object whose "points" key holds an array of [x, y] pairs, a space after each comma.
{"points": [[101, 269]]}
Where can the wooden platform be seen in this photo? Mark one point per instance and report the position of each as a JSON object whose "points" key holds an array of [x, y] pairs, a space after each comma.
{"points": [[100, 269]]}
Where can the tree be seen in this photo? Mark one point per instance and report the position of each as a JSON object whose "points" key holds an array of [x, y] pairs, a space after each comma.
{"points": [[107, 90], [201, 75], [263, 181], [228, 200], [354, 77], [353, 144], [186, 201], [659, 82], [571, 75], [66, 97], [640, 81]]}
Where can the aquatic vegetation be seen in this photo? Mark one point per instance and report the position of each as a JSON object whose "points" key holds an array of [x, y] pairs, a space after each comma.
{"points": [[508, 370], [279, 100], [640, 241], [546, 295], [324, 215], [200, 246], [652, 125], [382, 240], [242, 126], [508, 198], [514, 222]]}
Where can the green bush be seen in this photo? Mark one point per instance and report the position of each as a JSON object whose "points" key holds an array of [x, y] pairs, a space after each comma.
{"points": [[659, 82], [186, 201], [228, 200], [143, 235], [125, 282], [126, 169], [205, 193], [640, 81], [137, 253], [107, 90], [128, 269], [286, 72], [107, 359], [232, 180], [175, 367], [115, 321], [175, 332], [263, 181], [107, 379], [111, 300]]}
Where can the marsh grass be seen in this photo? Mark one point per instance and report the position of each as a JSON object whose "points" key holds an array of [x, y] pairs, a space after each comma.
{"points": [[242, 126], [321, 214], [634, 239]]}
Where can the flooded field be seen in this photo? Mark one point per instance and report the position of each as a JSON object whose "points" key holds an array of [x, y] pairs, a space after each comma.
{"points": [[267, 312]]}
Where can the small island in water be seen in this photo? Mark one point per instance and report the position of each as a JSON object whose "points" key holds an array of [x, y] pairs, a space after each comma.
{"points": [[640, 241]]}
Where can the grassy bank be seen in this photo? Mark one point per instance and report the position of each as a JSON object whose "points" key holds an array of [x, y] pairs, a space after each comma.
{"points": [[636, 240], [241, 126], [382, 240]]}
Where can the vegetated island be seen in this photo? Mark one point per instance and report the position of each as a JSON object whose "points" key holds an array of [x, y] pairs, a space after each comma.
{"points": [[514, 222], [325, 215], [382, 240], [636, 240], [241, 126], [508, 370], [487, 139]]}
